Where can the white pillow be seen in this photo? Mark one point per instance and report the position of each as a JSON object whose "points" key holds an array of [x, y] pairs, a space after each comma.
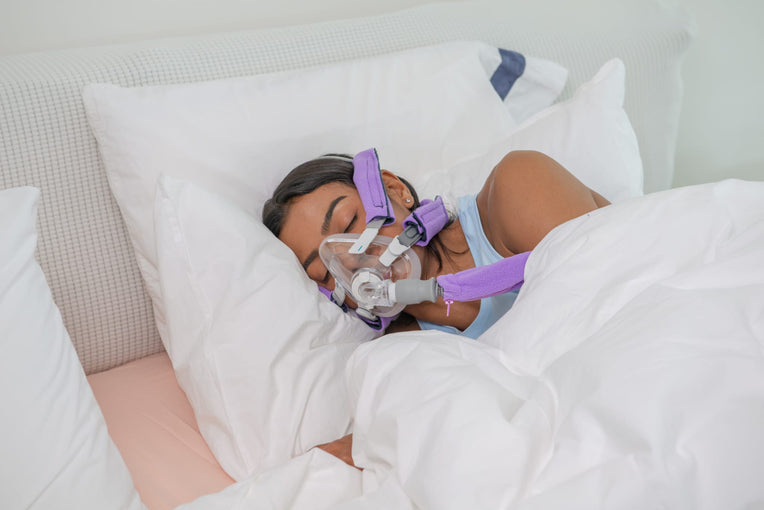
{"points": [[424, 109], [54, 446], [589, 134], [258, 351]]}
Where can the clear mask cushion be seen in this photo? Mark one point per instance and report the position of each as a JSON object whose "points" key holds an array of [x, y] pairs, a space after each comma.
{"points": [[363, 277]]}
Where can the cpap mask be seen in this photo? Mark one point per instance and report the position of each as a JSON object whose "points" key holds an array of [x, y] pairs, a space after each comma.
{"points": [[365, 276], [382, 274]]}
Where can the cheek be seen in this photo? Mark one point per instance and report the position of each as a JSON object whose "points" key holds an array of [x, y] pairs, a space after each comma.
{"points": [[401, 213], [317, 272], [396, 228]]}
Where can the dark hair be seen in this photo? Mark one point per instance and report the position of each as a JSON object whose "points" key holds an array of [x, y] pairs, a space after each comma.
{"points": [[313, 174], [304, 179]]}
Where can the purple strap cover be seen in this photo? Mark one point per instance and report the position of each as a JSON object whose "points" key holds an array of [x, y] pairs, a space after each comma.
{"points": [[380, 324], [429, 218], [480, 282], [367, 177], [326, 292]]}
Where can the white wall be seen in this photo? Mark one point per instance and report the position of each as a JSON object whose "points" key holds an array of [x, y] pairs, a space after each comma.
{"points": [[29, 25], [721, 131], [722, 125]]}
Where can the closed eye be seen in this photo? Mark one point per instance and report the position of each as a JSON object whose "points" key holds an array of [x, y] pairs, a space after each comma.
{"points": [[350, 225]]}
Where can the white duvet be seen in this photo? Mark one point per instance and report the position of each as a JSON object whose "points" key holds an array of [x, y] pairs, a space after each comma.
{"points": [[628, 375]]}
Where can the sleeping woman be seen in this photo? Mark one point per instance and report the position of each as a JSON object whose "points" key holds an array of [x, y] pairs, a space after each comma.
{"points": [[526, 195]]}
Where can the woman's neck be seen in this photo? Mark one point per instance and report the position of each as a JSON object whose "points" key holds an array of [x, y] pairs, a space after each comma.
{"points": [[456, 258]]}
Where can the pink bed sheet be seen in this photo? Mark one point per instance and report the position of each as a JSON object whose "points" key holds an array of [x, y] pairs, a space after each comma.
{"points": [[153, 425]]}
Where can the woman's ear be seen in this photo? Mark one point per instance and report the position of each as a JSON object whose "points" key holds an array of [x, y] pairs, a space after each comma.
{"points": [[397, 189]]}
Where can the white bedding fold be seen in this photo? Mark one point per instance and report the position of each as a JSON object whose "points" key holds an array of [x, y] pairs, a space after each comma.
{"points": [[313, 481], [628, 374]]}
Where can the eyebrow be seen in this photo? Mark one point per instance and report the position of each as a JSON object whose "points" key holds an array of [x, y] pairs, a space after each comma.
{"points": [[324, 229], [329, 213]]}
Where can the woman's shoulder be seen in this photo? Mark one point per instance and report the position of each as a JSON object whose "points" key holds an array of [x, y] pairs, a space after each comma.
{"points": [[526, 195]]}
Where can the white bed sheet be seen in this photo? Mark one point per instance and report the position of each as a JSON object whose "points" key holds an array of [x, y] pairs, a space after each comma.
{"points": [[628, 374]]}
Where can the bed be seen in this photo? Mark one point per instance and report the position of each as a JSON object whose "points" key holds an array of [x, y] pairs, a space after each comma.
{"points": [[175, 356]]}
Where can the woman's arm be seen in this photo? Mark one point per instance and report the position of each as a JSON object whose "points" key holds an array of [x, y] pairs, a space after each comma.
{"points": [[341, 448], [526, 196]]}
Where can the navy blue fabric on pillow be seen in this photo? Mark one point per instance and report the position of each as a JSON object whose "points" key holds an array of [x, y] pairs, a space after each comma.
{"points": [[511, 68]]}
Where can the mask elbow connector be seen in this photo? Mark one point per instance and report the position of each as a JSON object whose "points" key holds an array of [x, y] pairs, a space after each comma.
{"points": [[412, 292], [374, 292]]}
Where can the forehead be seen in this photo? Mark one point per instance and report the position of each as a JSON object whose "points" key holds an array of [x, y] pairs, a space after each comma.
{"points": [[305, 215]]}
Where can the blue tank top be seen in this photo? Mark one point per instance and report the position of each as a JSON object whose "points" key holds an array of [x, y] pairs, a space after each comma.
{"points": [[491, 308]]}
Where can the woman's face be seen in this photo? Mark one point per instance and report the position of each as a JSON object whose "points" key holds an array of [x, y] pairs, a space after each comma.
{"points": [[334, 208]]}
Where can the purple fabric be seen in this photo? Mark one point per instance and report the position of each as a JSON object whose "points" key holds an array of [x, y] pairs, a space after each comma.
{"points": [[328, 293], [368, 180], [429, 218], [380, 324], [480, 282]]}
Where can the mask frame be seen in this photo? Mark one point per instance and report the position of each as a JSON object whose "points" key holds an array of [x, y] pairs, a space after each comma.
{"points": [[363, 276]]}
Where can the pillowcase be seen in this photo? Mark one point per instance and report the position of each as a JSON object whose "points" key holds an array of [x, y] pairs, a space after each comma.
{"points": [[54, 446], [589, 134], [153, 425], [257, 350], [424, 109]]}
